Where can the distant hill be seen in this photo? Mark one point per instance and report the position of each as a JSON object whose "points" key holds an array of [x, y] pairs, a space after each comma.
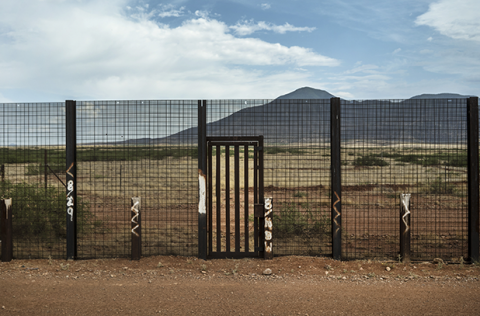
{"points": [[441, 96], [303, 116], [306, 93]]}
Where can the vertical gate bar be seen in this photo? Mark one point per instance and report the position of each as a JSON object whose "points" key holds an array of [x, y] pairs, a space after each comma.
{"points": [[71, 177], [136, 224], [6, 228], [405, 227], [218, 178], [245, 188], [473, 181], [202, 170], [255, 197], [261, 195], [336, 180], [237, 198], [227, 197], [2, 171], [210, 199]]}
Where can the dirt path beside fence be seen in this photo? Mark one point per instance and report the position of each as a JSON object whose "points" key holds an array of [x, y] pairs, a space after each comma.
{"points": [[180, 286]]}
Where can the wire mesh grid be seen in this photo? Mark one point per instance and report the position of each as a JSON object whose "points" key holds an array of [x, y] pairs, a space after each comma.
{"points": [[297, 165], [145, 149], [32, 169], [404, 146]]}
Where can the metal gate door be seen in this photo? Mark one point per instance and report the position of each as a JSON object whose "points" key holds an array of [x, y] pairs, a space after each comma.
{"points": [[235, 201]]}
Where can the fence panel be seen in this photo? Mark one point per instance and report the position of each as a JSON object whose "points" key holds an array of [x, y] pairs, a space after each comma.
{"points": [[297, 165], [145, 149], [404, 146], [32, 169]]}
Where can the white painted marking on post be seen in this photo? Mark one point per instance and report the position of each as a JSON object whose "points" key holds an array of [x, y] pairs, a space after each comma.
{"points": [[137, 213], [202, 192], [405, 198], [8, 204], [70, 201]]}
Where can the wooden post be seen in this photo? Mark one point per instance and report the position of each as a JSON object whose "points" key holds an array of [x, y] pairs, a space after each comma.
{"points": [[268, 254], [473, 181], [71, 174], [405, 227], [136, 229], [336, 178], [6, 228]]}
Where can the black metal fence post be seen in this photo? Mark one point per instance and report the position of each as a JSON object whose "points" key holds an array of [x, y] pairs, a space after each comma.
{"points": [[202, 181], [71, 173], [473, 169], [136, 229], [6, 228], [336, 180], [405, 227]]}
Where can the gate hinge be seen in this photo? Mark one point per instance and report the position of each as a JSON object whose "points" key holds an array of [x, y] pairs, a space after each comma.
{"points": [[260, 248], [258, 148]]}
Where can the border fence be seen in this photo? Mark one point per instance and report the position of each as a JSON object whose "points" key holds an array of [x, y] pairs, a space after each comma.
{"points": [[335, 169]]}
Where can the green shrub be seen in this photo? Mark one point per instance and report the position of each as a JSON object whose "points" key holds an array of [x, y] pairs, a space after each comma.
{"points": [[40, 213], [370, 161], [289, 220], [439, 186]]}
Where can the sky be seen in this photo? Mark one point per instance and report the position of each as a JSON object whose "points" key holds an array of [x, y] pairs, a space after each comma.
{"points": [[56, 50]]}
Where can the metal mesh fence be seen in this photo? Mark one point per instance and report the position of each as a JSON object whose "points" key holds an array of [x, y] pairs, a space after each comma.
{"points": [[297, 165], [32, 168], [409, 146], [149, 149], [131, 149]]}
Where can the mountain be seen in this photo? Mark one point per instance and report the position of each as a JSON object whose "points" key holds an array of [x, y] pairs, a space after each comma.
{"points": [[306, 93], [303, 116], [441, 96]]}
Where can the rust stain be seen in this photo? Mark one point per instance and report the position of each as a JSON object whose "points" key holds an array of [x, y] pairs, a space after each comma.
{"points": [[70, 168]]}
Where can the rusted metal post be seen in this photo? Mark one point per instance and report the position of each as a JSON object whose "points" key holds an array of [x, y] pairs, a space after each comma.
{"points": [[473, 181], [268, 254], [71, 173], [136, 228], [202, 181], [336, 180], [405, 227], [6, 228]]}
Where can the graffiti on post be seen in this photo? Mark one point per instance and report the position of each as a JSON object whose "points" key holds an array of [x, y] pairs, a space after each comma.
{"points": [[70, 200], [268, 227]]}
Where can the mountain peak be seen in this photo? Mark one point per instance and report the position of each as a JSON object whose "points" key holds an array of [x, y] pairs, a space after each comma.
{"points": [[307, 93]]}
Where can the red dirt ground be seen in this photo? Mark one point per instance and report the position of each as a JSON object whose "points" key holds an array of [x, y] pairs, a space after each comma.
{"points": [[167, 285]]}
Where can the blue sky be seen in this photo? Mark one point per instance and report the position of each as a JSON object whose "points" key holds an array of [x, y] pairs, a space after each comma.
{"points": [[52, 50]]}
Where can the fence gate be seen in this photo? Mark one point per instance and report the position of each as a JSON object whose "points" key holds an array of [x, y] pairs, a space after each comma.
{"points": [[235, 229]]}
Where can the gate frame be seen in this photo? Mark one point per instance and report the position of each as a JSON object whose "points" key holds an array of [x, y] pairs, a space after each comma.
{"points": [[259, 199]]}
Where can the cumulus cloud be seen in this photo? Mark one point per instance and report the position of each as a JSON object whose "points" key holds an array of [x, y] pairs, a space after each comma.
{"points": [[167, 11], [458, 19], [94, 49], [243, 28], [265, 6]]}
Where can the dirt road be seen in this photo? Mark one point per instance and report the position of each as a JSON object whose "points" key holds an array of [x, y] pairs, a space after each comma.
{"points": [[184, 286]]}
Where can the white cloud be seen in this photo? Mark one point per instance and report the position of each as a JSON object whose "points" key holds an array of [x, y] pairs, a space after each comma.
{"points": [[458, 19], [170, 11], [93, 50], [265, 6], [430, 39], [398, 50], [243, 28]]}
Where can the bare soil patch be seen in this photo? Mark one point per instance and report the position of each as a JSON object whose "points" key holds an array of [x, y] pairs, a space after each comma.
{"points": [[170, 285]]}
